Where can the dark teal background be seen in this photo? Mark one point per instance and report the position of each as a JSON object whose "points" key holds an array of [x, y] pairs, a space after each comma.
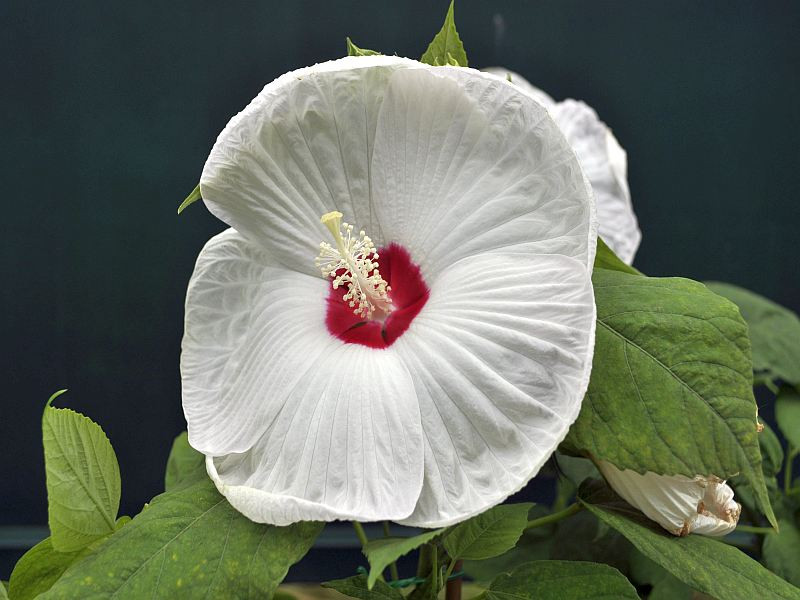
{"points": [[109, 109]]}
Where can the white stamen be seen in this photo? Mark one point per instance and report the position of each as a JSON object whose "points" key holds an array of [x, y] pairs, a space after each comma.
{"points": [[353, 264]]}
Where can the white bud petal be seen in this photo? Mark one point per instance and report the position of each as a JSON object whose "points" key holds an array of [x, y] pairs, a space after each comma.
{"points": [[681, 505]]}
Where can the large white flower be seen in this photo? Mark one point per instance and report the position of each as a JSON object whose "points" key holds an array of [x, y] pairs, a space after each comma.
{"points": [[603, 160], [471, 348]]}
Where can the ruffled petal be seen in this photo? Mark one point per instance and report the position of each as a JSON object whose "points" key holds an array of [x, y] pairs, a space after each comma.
{"points": [[501, 356], [540, 96], [465, 164], [296, 424], [300, 149], [681, 505], [253, 329], [605, 164]]}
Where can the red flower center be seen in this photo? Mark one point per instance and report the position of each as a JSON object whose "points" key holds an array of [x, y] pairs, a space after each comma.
{"points": [[408, 294]]}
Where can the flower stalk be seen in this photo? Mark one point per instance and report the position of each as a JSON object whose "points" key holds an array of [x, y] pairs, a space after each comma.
{"points": [[555, 517]]}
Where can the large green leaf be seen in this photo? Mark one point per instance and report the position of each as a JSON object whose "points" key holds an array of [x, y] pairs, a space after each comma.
{"points": [[774, 332], [189, 543], [781, 552], [83, 483], [446, 47], [184, 463], [38, 569], [488, 534], [671, 385], [562, 579], [705, 564], [356, 587], [787, 413], [382, 552]]}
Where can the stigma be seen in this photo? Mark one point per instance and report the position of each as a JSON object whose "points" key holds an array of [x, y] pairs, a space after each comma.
{"points": [[353, 263]]}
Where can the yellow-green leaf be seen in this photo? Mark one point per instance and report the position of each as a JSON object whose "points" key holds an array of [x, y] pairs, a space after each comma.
{"points": [[446, 47]]}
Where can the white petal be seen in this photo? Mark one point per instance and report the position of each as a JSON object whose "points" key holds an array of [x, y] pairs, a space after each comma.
{"points": [[465, 163], [348, 445], [681, 505], [603, 160], [303, 426], [605, 164], [300, 149], [540, 96], [248, 340], [501, 356]]}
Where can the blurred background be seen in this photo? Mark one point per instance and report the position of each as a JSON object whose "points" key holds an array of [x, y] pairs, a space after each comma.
{"points": [[109, 110]]}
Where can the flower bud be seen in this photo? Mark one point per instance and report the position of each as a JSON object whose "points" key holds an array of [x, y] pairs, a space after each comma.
{"points": [[681, 505]]}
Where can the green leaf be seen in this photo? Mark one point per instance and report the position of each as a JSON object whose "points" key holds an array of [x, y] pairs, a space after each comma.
{"points": [[774, 332], [488, 534], [705, 564], [565, 580], [3, 592], [671, 386], [380, 553], [771, 451], [184, 463], [193, 197], [606, 259], [38, 569], [188, 543], [781, 552], [356, 587], [576, 469], [665, 585], [446, 47], [787, 413], [83, 483], [353, 50], [583, 537]]}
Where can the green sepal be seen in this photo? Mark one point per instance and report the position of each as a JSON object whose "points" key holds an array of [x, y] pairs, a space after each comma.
{"points": [[353, 50], [446, 47], [193, 197]]}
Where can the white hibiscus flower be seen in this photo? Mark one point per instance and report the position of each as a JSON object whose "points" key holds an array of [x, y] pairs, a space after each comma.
{"points": [[466, 351], [603, 160]]}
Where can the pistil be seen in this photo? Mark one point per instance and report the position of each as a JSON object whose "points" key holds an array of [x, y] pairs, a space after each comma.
{"points": [[353, 264]]}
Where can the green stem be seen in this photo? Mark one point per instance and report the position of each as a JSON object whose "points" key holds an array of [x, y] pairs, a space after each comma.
{"points": [[393, 565], [754, 529], [424, 563], [362, 536], [450, 568], [557, 516], [791, 452], [435, 570]]}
